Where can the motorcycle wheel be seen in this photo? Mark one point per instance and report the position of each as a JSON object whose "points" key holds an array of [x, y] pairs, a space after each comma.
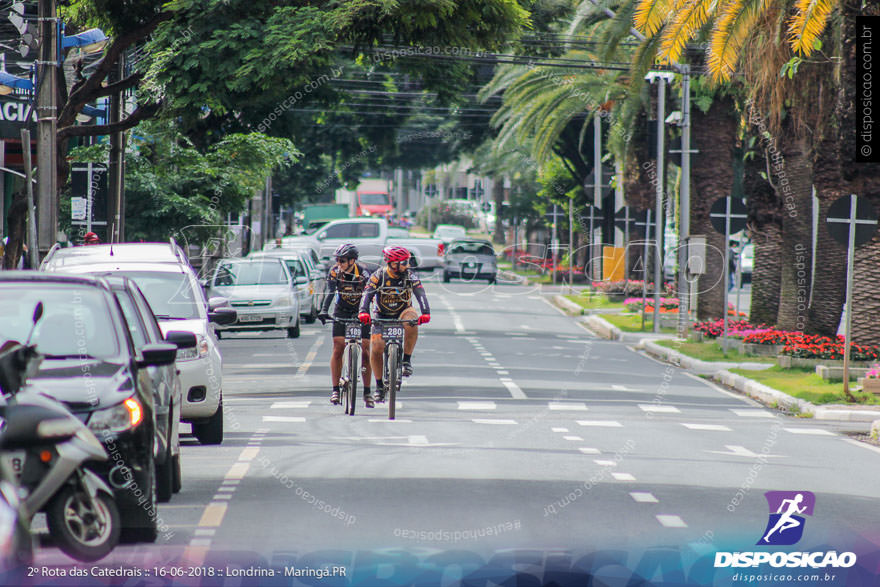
{"points": [[74, 524]]}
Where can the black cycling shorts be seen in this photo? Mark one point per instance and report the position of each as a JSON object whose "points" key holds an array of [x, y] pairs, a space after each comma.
{"points": [[339, 327]]}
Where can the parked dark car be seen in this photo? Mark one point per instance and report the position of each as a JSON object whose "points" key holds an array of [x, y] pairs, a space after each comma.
{"points": [[164, 381], [100, 373], [470, 259]]}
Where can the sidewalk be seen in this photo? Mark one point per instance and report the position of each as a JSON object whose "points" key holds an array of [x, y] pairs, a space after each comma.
{"points": [[718, 371]]}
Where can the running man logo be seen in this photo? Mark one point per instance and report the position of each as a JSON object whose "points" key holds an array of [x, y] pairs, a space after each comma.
{"points": [[786, 523]]}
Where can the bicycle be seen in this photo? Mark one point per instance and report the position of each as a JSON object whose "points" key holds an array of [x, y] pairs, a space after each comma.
{"points": [[351, 372], [392, 370]]}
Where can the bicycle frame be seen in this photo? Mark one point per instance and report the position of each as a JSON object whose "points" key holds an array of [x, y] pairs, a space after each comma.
{"points": [[392, 371], [351, 364]]}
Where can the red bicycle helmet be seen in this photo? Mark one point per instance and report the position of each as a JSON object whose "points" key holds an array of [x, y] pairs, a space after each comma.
{"points": [[393, 254]]}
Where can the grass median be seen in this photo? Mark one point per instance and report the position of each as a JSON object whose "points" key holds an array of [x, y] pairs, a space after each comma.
{"points": [[590, 301], [711, 351], [633, 323], [806, 385]]}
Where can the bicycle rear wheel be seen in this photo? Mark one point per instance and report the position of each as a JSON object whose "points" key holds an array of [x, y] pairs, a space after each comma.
{"points": [[393, 379], [353, 375], [344, 379]]}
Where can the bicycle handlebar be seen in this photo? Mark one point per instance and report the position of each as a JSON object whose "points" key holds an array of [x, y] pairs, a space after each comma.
{"points": [[414, 322]]}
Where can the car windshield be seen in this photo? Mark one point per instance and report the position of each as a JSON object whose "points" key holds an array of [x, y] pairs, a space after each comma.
{"points": [[471, 249], [450, 231], [170, 294], [250, 273], [374, 199], [76, 320]]}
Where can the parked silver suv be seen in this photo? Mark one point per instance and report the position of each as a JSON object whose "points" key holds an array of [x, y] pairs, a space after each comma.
{"points": [[172, 289]]}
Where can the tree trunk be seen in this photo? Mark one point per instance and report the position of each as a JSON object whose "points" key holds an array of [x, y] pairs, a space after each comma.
{"points": [[714, 137], [792, 175], [16, 218], [829, 283], [498, 196], [766, 274], [765, 230]]}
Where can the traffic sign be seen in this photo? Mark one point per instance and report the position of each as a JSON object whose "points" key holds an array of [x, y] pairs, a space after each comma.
{"points": [[840, 219], [732, 207]]}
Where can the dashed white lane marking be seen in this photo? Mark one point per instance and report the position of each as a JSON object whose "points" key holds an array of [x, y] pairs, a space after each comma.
{"points": [[515, 334], [567, 406], [204, 531], [310, 356], [222, 497], [712, 427], [559, 429], [735, 450], [671, 521], [493, 421], [589, 451], [503, 372], [513, 388], [605, 423], [623, 476], [199, 542], [621, 388], [283, 419], [576, 438], [659, 409], [476, 405], [753, 413], [604, 463], [813, 431], [299, 405], [227, 488], [643, 497], [398, 421]]}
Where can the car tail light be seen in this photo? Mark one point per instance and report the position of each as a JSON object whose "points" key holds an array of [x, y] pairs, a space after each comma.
{"points": [[440, 248]]}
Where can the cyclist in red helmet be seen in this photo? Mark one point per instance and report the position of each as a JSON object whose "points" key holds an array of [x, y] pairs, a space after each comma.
{"points": [[393, 286]]}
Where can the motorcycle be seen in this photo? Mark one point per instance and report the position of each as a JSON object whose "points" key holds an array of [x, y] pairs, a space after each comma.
{"points": [[44, 447]]}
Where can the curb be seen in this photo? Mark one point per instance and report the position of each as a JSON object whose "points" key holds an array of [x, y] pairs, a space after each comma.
{"points": [[567, 305], [602, 328], [766, 395]]}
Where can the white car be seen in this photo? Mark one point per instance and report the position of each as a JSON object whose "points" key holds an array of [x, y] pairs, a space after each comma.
{"points": [[261, 291], [305, 282], [170, 285], [449, 232]]}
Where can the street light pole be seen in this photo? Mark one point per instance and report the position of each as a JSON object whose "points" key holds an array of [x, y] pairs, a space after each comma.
{"points": [[684, 227], [47, 182]]}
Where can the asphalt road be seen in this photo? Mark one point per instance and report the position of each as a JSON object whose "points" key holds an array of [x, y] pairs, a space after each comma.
{"points": [[522, 444]]}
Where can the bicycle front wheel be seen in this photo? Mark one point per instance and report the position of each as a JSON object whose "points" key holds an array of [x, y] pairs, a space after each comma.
{"points": [[353, 375], [393, 379]]}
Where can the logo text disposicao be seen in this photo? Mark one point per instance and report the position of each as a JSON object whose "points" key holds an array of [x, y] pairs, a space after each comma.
{"points": [[815, 560]]}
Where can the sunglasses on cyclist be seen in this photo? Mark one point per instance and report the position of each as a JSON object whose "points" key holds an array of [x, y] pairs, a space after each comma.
{"points": [[404, 263], [342, 259]]}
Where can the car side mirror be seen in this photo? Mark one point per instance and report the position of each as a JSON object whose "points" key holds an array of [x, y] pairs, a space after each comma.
{"points": [[221, 316], [157, 354], [300, 280], [322, 235], [217, 302], [182, 339]]}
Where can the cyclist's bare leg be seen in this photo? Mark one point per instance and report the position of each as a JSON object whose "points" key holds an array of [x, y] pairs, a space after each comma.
{"points": [[377, 346], [410, 333], [366, 359], [336, 359]]}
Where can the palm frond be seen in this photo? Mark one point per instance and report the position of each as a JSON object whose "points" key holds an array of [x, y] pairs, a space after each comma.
{"points": [[650, 15], [688, 20], [807, 24], [732, 29]]}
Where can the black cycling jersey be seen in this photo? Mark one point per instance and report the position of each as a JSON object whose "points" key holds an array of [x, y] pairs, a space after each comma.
{"points": [[394, 293], [347, 288]]}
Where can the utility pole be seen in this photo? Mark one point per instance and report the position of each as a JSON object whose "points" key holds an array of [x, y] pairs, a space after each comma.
{"points": [[684, 228], [47, 177], [115, 175]]}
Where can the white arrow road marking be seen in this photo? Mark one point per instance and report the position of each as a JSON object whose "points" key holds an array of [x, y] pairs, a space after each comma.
{"points": [[740, 451]]}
